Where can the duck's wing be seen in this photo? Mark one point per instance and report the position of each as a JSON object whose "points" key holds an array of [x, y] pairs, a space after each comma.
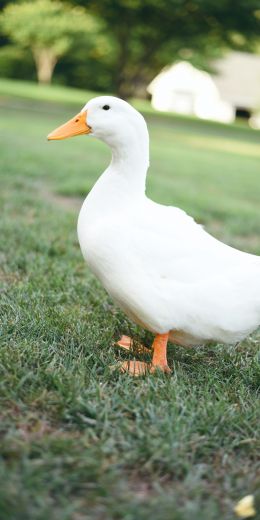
{"points": [[167, 273], [177, 276], [171, 244]]}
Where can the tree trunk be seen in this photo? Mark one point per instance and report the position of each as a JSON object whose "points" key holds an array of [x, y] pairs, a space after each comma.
{"points": [[132, 78], [122, 86], [45, 61], [133, 83], [124, 89]]}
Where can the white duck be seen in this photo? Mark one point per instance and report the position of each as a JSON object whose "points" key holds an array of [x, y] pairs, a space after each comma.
{"points": [[161, 267]]}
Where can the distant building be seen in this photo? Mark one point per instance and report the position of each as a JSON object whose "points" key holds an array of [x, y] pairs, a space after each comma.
{"points": [[233, 90]]}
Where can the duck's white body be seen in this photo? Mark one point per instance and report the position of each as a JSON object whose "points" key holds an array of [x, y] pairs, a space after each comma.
{"points": [[161, 268]]}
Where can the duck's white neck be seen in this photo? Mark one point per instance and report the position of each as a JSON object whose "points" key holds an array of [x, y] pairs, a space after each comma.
{"points": [[129, 164], [122, 185], [126, 175]]}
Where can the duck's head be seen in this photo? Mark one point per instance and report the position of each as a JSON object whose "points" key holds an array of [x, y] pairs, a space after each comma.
{"points": [[108, 118]]}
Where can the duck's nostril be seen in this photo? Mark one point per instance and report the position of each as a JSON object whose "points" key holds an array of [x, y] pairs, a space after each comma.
{"points": [[76, 120]]}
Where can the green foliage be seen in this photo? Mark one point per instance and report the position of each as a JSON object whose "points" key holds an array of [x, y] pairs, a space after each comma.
{"points": [[17, 62], [49, 28], [149, 34], [118, 46], [45, 24]]}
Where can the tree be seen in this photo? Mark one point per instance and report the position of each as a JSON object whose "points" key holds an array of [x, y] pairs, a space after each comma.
{"points": [[148, 34], [48, 28]]}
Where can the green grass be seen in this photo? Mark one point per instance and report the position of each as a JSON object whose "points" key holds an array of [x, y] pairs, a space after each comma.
{"points": [[81, 442], [32, 91], [58, 94]]}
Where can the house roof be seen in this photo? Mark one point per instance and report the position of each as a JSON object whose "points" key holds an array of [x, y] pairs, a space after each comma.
{"points": [[238, 79]]}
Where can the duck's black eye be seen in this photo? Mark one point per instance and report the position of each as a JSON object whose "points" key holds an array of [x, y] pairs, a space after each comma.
{"points": [[106, 107]]}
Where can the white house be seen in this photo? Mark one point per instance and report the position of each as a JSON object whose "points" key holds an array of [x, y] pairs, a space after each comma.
{"points": [[235, 86]]}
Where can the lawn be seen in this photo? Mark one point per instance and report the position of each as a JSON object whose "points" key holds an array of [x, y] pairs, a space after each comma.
{"points": [[78, 440]]}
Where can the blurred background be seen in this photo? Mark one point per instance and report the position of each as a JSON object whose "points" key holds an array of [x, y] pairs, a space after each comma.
{"points": [[122, 46], [192, 67]]}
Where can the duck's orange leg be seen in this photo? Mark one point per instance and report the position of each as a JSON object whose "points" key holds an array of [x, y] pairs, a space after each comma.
{"points": [[159, 361]]}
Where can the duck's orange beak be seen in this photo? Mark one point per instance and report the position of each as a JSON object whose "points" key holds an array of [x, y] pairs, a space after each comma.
{"points": [[75, 126]]}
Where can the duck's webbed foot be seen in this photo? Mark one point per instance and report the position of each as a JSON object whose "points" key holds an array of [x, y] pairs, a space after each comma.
{"points": [[135, 368], [140, 368], [127, 343]]}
